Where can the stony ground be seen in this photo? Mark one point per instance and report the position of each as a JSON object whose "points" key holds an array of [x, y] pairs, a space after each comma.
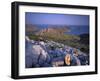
{"points": [[51, 54]]}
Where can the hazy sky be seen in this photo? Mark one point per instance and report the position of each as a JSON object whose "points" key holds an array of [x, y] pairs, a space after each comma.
{"points": [[56, 19]]}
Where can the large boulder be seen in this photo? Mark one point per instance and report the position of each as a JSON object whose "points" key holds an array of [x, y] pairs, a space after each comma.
{"points": [[35, 55]]}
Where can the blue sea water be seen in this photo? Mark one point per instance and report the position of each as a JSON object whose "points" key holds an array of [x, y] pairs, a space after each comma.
{"points": [[78, 30]]}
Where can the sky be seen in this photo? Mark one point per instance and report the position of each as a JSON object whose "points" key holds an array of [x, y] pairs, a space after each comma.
{"points": [[56, 19]]}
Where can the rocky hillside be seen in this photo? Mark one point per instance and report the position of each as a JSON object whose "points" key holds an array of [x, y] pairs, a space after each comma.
{"points": [[53, 31], [56, 34]]}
